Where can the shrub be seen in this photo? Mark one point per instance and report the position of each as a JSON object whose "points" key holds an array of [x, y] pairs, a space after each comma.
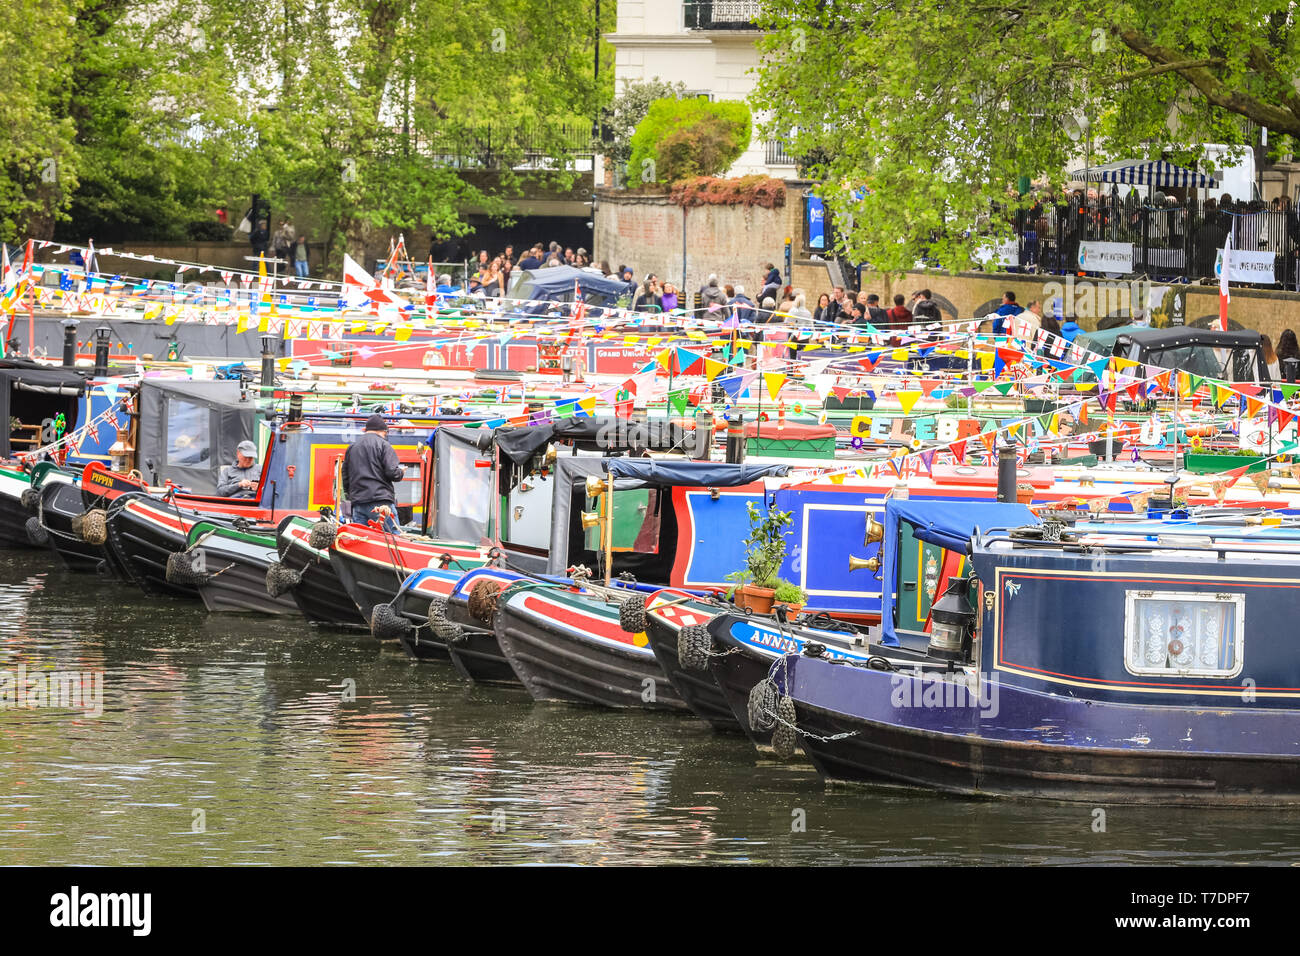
{"points": [[756, 190], [764, 548], [680, 138]]}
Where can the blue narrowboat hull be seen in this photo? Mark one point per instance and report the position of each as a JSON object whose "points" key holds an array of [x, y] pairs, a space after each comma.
{"points": [[877, 727]]}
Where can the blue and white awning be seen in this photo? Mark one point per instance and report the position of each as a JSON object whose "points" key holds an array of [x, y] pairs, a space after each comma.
{"points": [[1144, 172]]}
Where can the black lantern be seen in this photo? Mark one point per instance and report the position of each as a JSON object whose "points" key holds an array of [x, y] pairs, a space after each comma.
{"points": [[952, 622]]}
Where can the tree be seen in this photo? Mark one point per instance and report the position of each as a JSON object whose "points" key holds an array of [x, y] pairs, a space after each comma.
{"points": [[925, 115], [37, 165], [681, 138], [629, 108]]}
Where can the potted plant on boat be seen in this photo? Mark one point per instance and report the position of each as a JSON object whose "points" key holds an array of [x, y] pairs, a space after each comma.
{"points": [[790, 595], [764, 551]]}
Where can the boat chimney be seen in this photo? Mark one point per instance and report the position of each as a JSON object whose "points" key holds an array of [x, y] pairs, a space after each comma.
{"points": [[736, 440], [703, 437], [1007, 473], [103, 337], [268, 364], [69, 343]]}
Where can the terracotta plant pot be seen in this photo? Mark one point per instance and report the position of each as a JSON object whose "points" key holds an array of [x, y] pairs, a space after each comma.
{"points": [[790, 609], [757, 600]]}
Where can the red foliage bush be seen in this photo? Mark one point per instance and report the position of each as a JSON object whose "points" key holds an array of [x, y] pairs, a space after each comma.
{"points": [[757, 190]]}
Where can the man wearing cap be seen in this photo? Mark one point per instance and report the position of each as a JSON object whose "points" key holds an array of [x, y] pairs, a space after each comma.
{"points": [[240, 479], [370, 468]]}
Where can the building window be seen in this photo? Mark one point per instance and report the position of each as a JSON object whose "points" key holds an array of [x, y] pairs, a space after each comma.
{"points": [[1183, 634]]}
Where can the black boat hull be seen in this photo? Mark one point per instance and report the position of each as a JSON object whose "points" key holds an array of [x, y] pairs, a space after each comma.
{"points": [[479, 657], [366, 582], [698, 689], [735, 675], [13, 522], [142, 547], [320, 595], [556, 664], [238, 582], [60, 503]]}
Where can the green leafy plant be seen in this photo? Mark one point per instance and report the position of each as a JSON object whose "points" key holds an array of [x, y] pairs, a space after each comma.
{"points": [[787, 592], [681, 138], [764, 548]]}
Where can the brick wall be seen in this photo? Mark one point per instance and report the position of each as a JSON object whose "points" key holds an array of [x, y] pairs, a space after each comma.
{"points": [[645, 232]]}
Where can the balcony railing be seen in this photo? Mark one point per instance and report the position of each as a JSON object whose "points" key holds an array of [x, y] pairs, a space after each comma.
{"points": [[776, 155], [721, 14]]}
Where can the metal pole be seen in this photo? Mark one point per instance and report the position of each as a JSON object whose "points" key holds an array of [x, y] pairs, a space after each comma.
{"points": [[609, 530]]}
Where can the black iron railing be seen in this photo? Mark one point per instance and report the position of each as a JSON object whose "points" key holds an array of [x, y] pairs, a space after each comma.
{"points": [[1177, 242], [494, 145], [721, 14]]}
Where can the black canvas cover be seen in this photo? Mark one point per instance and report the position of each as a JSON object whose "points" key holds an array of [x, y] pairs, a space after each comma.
{"points": [[32, 394], [189, 430]]}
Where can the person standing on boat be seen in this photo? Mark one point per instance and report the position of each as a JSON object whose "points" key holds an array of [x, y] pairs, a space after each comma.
{"points": [[240, 479], [370, 470]]}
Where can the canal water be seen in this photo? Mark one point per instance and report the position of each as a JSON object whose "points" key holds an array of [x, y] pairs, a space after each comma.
{"points": [[234, 740]]}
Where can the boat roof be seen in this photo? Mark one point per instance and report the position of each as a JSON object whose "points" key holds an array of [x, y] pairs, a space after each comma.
{"points": [[1183, 335]]}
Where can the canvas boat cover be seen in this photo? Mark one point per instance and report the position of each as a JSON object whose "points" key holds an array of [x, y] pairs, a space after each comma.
{"points": [[949, 524], [62, 385], [189, 430]]}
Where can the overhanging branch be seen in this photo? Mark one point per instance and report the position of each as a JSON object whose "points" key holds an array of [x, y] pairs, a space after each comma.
{"points": [[1210, 86]]}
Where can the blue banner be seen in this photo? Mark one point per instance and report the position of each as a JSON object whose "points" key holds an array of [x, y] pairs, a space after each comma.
{"points": [[816, 223]]}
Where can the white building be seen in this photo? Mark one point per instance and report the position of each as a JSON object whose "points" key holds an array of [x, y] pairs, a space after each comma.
{"points": [[710, 45]]}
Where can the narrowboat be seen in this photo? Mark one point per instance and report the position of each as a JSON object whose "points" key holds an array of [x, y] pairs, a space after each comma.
{"points": [[1084, 666], [231, 563], [565, 644]]}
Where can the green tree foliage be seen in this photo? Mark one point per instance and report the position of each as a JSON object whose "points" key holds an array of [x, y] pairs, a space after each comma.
{"points": [[36, 148], [628, 110], [389, 114], [921, 116], [681, 138]]}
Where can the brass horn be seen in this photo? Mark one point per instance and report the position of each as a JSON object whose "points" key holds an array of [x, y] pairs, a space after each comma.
{"points": [[595, 487], [875, 531], [590, 519], [857, 564]]}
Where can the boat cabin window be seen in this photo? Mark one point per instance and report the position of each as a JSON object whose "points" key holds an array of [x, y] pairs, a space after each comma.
{"points": [[636, 522], [1183, 634], [187, 434]]}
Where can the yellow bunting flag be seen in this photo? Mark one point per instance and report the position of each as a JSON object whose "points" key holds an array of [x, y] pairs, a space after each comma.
{"points": [[774, 382], [712, 367], [908, 400], [402, 334]]}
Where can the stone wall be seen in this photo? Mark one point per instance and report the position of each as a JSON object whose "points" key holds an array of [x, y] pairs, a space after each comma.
{"points": [[645, 232]]}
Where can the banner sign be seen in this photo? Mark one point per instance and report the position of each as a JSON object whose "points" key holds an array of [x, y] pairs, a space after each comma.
{"points": [[1106, 256], [1247, 265], [816, 223]]}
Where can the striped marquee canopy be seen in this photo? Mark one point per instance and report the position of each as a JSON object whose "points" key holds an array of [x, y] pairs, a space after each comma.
{"points": [[1144, 172]]}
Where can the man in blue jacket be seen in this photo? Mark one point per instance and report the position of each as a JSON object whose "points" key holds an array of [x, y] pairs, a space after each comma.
{"points": [[370, 471]]}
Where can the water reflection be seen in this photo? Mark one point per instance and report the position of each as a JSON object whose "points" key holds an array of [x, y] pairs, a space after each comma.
{"points": [[250, 741]]}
